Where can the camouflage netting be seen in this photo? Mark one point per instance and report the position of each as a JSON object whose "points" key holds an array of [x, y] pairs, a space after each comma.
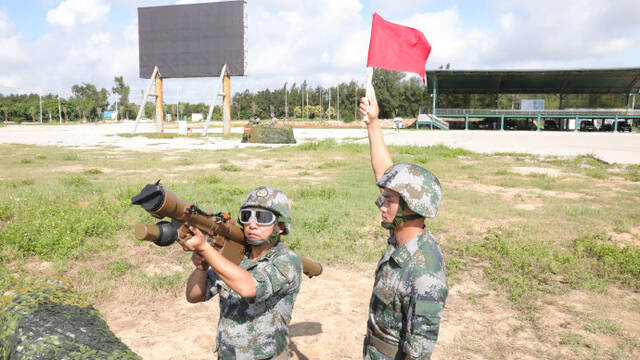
{"points": [[47, 320], [270, 134]]}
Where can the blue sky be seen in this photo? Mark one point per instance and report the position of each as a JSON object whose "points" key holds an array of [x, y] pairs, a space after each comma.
{"points": [[49, 45]]}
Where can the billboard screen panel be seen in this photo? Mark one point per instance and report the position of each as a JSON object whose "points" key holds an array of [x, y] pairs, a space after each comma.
{"points": [[532, 105], [193, 40]]}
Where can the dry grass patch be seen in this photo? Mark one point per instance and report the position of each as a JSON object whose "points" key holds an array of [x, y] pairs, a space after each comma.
{"points": [[519, 198], [552, 172]]}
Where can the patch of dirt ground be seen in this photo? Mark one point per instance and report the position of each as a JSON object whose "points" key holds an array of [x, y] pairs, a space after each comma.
{"points": [[330, 315]]}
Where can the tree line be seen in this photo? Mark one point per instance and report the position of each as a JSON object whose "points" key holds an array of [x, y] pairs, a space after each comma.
{"points": [[86, 104], [397, 94]]}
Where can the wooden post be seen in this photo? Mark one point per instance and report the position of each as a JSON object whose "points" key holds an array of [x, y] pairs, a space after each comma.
{"points": [[159, 105], [226, 108]]}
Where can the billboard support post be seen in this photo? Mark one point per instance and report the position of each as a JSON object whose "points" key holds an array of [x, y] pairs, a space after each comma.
{"points": [[159, 105], [226, 109], [224, 91], [145, 96]]}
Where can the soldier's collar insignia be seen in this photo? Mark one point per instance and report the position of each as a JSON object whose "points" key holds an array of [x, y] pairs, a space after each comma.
{"points": [[262, 193]]}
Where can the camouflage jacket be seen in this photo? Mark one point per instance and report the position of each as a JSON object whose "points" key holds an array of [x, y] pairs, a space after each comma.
{"points": [[258, 328], [409, 293]]}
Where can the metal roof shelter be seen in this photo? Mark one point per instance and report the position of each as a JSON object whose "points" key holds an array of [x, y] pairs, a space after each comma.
{"points": [[580, 81], [620, 81]]}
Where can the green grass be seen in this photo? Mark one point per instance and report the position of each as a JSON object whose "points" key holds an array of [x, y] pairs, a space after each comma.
{"points": [[331, 164], [602, 326], [119, 267], [70, 156], [65, 217], [524, 267], [230, 168], [208, 180], [93, 172]]}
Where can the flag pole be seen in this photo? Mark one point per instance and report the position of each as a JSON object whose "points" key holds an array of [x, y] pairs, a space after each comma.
{"points": [[368, 90]]}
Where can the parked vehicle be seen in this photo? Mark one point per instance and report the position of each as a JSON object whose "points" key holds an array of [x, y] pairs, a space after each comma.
{"points": [[551, 125], [587, 125], [511, 125], [624, 126], [606, 127]]}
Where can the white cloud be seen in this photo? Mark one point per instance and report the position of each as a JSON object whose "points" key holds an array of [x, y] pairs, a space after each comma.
{"points": [[386, 7], [613, 46], [325, 42], [12, 51], [72, 12], [567, 32], [450, 43], [299, 39], [5, 24]]}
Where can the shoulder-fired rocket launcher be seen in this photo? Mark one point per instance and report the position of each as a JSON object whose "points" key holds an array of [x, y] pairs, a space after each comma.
{"points": [[221, 231]]}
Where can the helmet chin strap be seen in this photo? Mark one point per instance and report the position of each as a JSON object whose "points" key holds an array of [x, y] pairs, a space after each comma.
{"points": [[399, 218], [273, 238]]}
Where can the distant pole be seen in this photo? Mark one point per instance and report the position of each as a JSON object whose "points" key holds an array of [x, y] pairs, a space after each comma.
{"points": [[338, 107], [40, 108], [307, 105], [329, 103], [178, 104], [355, 109], [321, 112], [286, 106], [59, 111], [116, 107]]}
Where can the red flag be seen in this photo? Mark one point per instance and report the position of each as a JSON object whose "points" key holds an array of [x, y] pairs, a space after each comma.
{"points": [[396, 47]]}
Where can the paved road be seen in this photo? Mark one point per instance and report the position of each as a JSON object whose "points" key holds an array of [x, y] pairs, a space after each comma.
{"points": [[610, 147]]}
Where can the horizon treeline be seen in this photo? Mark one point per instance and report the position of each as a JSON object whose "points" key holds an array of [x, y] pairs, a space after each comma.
{"points": [[397, 94]]}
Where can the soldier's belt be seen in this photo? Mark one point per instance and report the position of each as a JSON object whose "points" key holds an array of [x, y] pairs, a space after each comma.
{"points": [[392, 351]]}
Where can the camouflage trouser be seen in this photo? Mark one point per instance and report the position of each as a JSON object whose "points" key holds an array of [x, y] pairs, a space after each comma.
{"points": [[283, 356]]}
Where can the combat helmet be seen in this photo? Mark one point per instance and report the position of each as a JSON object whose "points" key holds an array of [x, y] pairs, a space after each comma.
{"points": [[419, 190], [272, 199]]}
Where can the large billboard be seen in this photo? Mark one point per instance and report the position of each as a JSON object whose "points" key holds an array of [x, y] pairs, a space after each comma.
{"points": [[537, 104], [193, 40]]}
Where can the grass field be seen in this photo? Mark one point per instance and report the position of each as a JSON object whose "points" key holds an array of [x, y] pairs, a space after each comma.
{"points": [[531, 229]]}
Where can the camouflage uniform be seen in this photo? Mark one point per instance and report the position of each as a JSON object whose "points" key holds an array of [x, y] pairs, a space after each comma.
{"points": [[410, 287], [258, 328]]}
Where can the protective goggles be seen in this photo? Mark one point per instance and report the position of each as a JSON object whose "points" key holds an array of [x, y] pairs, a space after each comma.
{"points": [[261, 216]]}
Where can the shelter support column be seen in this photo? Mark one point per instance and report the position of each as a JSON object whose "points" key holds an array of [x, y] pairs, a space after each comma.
{"points": [[466, 122], [538, 122], [501, 122], [615, 125], [435, 94], [577, 123]]}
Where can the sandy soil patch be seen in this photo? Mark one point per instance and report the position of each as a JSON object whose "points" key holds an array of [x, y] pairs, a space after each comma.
{"points": [[631, 238]]}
